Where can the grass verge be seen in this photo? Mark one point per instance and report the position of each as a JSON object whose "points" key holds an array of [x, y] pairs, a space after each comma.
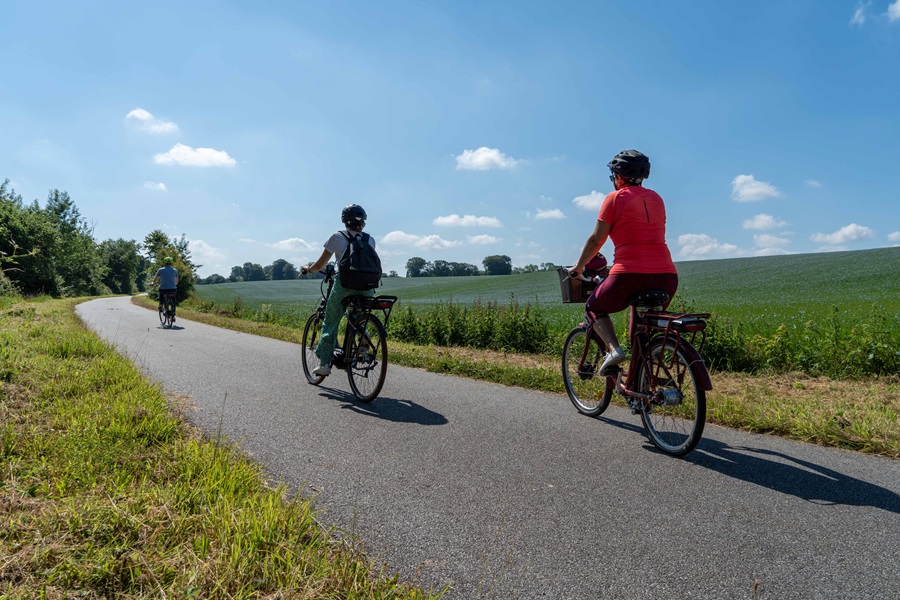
{"points": [[105, 492], [861, 415]]}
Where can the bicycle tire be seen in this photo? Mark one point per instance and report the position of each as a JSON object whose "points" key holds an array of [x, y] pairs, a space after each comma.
{"points": [[170, 311], [366, 357], [162, 315], [588, 391], [311, 334], [675, 423]]}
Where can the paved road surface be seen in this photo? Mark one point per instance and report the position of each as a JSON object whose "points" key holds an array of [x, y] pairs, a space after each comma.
{"points": [[508, 493]]}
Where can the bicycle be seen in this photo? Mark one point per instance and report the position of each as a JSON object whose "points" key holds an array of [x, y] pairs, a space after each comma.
{"points": [[167, 309], [665, 381], [364, 353]]}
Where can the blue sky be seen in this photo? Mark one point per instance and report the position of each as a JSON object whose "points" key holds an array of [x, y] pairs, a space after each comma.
{"points": [[465, 129]]}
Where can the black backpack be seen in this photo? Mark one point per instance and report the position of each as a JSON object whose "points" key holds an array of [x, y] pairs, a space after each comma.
{"points": [[359, 266]]}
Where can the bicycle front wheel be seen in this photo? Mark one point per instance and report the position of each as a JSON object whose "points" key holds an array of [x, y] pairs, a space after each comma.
{"points": [[162, 315], [582, 356], [676, 412], [311, 334], [366, 357]]}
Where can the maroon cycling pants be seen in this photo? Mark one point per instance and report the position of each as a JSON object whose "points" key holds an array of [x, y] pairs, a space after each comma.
{"points": [[614, 293]]}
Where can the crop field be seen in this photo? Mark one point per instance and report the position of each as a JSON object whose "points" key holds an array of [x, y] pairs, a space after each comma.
{"points": [[768, 290], [795, 311]]}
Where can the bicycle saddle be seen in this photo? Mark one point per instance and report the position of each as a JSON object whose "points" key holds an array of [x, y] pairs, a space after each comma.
{"points": [[649, 298]]}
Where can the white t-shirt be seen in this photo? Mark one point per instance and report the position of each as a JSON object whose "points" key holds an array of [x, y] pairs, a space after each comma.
{"points": [[338, 242]]}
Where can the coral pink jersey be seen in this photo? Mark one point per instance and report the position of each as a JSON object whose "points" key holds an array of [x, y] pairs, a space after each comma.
{"points": [[638, 231]]}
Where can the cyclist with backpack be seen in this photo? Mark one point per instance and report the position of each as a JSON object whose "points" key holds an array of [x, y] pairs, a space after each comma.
{"points": [[634, 217], [359, 272], [167, 277]]}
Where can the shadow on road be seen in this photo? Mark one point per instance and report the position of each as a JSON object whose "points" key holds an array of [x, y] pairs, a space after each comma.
{"points": [[788, 475], [782, 473], [390, 409]]}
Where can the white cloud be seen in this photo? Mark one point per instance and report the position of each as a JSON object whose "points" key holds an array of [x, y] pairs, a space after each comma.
{"points": [[700, 245], [813, 183], [204, 253], [155, 186], [764, 221], [894, 11], [484, 159], [194, 157], [145, 121], [746, 188], [859, 15], [482, 240], [425, 242], [592, 201], [894, 237], [844, 235], [767, 245], [467, 221], [547, 213], [291, 244]]}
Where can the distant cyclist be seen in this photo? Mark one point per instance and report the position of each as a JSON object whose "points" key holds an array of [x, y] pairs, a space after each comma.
{"points": [[167, 277], [634, 217], [354, 219]]}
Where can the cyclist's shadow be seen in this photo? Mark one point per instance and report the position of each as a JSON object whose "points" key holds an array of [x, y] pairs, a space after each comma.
{"points": [[172, 328], [389, 409], [789, 475]]}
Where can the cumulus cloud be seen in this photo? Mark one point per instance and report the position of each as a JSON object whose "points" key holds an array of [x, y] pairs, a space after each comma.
{"points": [[767, 245], [592, 201], [291, 244], [155, 186], [549, 213], [484, 159], [859, 15], [700, 245], [467, 221], [813, 183], [746, 188], [205, 253], [894, 237], [844, 235], [764, 221], [894, 11], [186, 156], [483, 240], [144, 121], [425, 242]]}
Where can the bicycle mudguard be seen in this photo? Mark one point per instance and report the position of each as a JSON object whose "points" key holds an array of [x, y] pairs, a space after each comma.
{"points": [[694, 357]]}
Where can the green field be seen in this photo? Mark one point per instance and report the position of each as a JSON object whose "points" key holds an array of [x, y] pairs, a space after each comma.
{"points": [[809, 312], [773, 288]]}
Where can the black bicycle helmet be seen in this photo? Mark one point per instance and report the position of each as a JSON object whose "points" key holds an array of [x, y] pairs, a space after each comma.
{"points": [[630, 164], [353, 214]]}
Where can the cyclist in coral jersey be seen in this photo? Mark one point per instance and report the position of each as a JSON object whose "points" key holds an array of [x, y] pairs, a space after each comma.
{"points": [[634, 218]]}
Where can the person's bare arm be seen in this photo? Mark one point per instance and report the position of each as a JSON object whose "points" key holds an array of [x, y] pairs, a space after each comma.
{"points": [[592, 246], [319, 264]]}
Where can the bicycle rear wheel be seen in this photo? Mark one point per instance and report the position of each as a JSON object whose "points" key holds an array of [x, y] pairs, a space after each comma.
{"points": [[366, 357], [170, 311], [676, 413], [311, 334], [581, 357]]}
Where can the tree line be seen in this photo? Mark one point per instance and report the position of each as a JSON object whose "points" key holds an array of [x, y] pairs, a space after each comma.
{"points": [[498, 264], [52, 251]]}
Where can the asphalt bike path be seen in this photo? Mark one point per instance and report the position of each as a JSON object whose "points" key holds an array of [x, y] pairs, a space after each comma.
{"points": [[509, 493]]}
